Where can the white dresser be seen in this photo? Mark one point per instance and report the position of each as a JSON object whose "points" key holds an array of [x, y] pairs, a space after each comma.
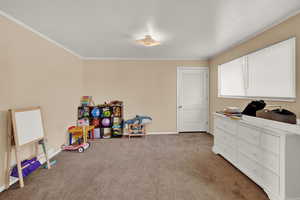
{"points": [[268, 152]]}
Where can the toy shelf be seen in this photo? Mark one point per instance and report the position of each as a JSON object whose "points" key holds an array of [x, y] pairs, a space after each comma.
{"points": [[106, 118]]}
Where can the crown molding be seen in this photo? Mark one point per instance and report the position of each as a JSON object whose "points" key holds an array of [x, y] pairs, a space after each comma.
{"points": [[257, 33], [11, 18], [141, 59]]}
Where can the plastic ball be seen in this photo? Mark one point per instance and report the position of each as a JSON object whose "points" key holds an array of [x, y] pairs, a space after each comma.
{"points": [[106, 113], [96, 112], [106, 122]]}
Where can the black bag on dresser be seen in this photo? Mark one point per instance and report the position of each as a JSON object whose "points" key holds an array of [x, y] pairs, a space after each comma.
{"points": [[254, 106]]}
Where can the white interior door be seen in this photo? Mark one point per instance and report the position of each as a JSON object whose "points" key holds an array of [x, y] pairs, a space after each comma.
{"points": [[192, 99]]}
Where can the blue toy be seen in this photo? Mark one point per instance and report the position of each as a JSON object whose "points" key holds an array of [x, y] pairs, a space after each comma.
{"points": [[28, 166], [137, 125], [139, 119], [117, 126], [96, 112]]}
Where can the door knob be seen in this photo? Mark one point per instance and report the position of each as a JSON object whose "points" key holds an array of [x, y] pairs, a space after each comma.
{"points": [[179, 106]]}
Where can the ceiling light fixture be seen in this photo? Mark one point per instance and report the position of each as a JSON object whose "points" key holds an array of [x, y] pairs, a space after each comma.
{"points": [[148, 41]]}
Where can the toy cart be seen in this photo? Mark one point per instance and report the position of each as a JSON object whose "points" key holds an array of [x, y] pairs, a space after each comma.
{"points": [[137, 125], [135, 130], [81, 135]]}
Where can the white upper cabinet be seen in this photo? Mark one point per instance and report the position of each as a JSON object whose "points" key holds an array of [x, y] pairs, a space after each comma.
{"points": [[268, 74], [231, 78]]}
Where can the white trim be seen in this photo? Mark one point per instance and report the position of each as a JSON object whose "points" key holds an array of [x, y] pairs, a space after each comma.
{"points": [[161, 133], [143, 59], [191, 68], [156, 133], [42, 159], [179, 68], [260, 98], [4, 14], [257, 33]]}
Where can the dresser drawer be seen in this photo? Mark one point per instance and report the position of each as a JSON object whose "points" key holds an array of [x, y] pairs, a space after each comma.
{"points": [[249, 150], [270, 142], [229, 153], [262, 157], [269, 160], [249, 133], [225, 138], [270, 180], [249, 167], [228, 125]]}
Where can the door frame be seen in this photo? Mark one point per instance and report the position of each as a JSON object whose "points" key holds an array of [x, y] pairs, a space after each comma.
{"points": [[180, 68]]}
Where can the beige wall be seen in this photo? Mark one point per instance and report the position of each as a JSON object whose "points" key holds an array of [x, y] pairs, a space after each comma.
{"points": [[34, 72], [278, 33], [146, 87]]}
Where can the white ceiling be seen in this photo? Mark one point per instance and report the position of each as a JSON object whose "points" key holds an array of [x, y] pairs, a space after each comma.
{"points": [[190, 29]]}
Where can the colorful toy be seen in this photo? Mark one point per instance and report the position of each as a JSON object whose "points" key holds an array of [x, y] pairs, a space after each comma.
{"points": [[83, 122], [83, 112], [139, 120], [86, 101], [137, 125], [96, 122], [117, 111], [116, 126], [95, 112], [106, 112], [117, 122], [28, 166], [116, 132], [81, 143], [105, 122], [86, 111]]}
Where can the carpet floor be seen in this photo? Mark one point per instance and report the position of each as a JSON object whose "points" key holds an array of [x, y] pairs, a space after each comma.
{"points": [[158, 167]]}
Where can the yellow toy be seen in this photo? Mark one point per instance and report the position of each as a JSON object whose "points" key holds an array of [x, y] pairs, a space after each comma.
{"points": [[81, 138]]}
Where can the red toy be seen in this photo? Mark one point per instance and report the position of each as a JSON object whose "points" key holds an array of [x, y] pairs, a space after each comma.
{"points": [[81, 133]]}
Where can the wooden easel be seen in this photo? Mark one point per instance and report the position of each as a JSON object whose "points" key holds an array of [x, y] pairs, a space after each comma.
{"points": [[13, 142]]}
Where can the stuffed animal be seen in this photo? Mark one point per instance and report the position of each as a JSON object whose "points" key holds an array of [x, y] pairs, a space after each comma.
{"points": [[139, 119]]}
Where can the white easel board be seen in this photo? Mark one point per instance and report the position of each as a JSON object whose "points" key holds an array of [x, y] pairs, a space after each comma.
{"points": [[29, 126]]}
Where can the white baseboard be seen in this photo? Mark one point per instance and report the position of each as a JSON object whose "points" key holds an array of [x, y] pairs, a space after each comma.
{"points": [[157, 133], [162, 133], [42, 159]]}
